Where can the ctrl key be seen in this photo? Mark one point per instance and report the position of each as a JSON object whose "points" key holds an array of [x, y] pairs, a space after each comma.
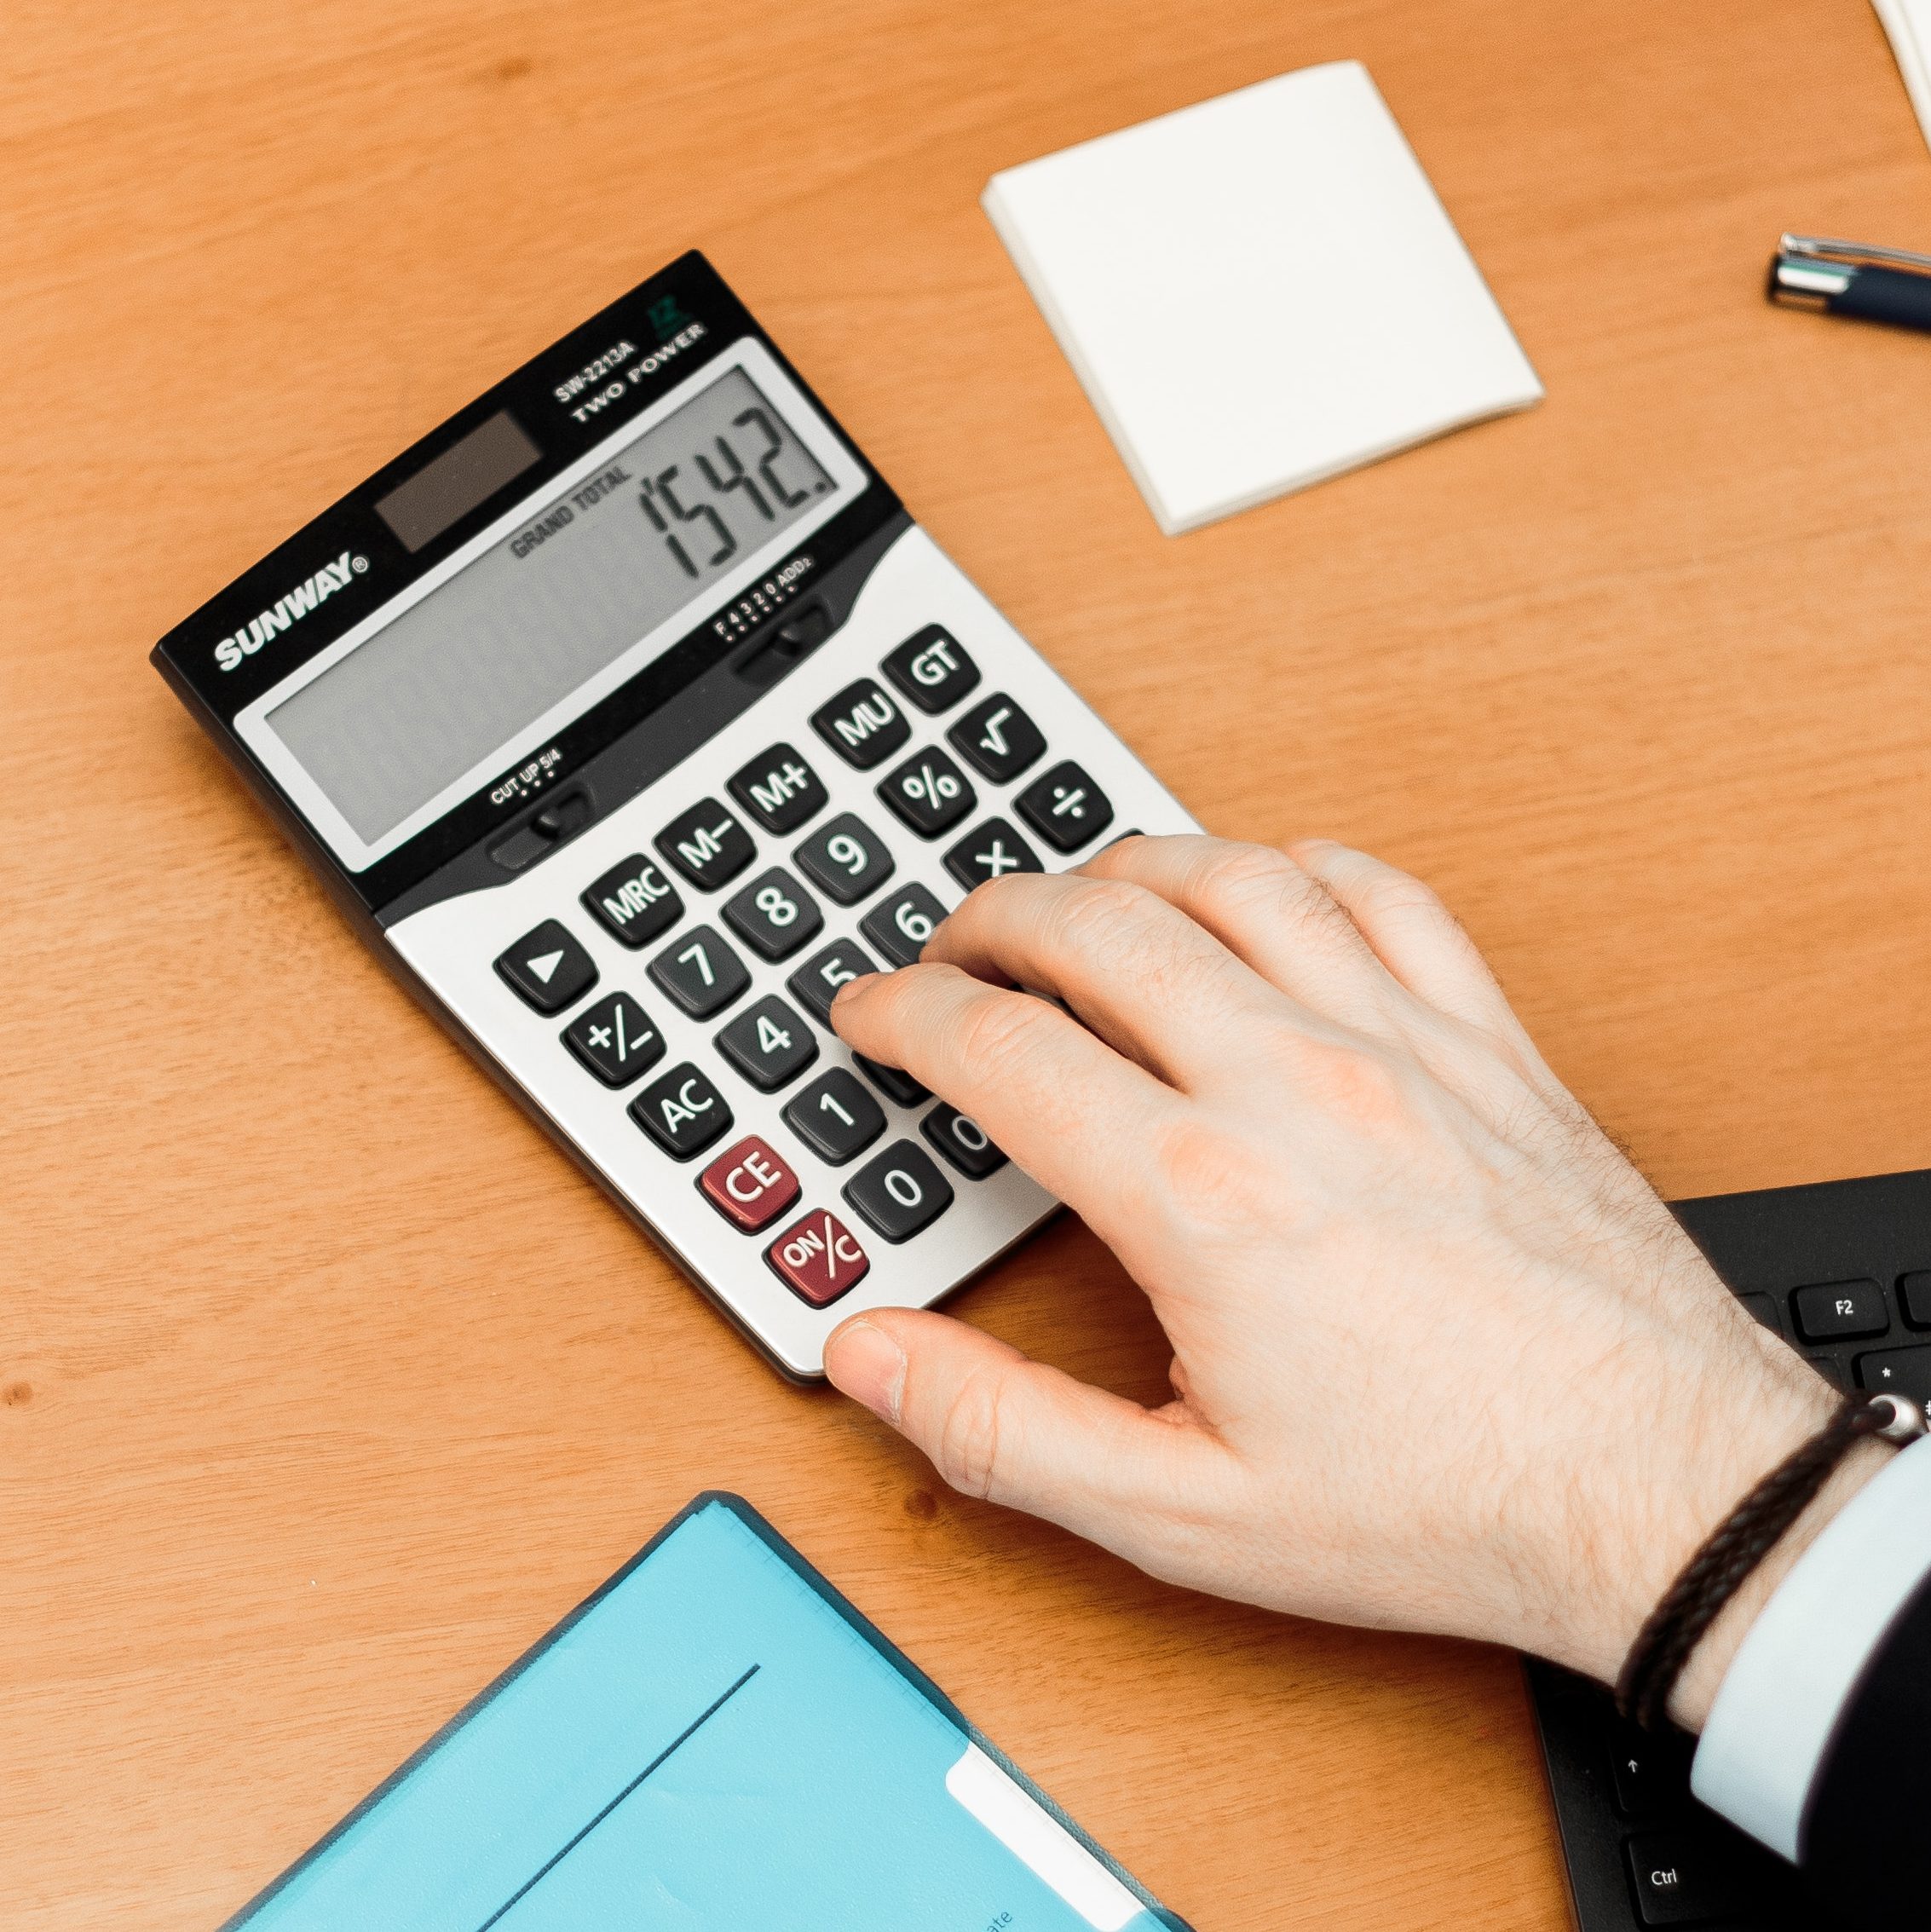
{"points": [[1682, 1878], [818, 1258]]}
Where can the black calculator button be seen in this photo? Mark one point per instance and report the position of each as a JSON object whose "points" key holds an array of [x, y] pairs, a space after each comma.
{"points": [[1900, 1371], [774, 915], [814, 984], [1065, 807], [769, 1044], [900, 1190], [707, 846], [683, 1113], [634, 902], [963, 1142], [844, 859], [997, 739], [900, 927], [1839, 1311], [780, 790], [863, 724], [928, 792], [894, 1083], [615, 1039], [548, 968], [835, 1117], [990, 851], [701, 971], [931, 668]]}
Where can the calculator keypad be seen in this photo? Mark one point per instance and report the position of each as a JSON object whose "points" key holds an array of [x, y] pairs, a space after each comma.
{"points": [[769, 1044], [863, 724], [901, 1191], [634, 903], [990, 851], [774, 915], [548, 967], [929, 793], [683, 1112], [615, 1039], [845, 860], [707, 846], [701, 971]]}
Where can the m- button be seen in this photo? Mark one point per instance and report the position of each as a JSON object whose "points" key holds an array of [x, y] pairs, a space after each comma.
{"points": [[750, 1187]]}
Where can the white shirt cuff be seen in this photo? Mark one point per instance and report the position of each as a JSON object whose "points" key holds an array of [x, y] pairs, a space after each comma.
{"points": [[1780, 1699]]}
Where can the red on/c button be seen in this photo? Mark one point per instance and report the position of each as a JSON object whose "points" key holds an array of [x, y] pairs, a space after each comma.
{"points": [[750, 1185]]}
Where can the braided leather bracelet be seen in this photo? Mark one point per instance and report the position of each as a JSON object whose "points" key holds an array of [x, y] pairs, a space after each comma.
{"points": [[1711, 1578]]}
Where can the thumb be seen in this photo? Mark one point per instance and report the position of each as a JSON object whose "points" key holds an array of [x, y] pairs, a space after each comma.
{"points": [[998, 1425]]}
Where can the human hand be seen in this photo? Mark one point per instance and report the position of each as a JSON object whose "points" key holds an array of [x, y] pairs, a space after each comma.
{"points": [[1442, 1360]]}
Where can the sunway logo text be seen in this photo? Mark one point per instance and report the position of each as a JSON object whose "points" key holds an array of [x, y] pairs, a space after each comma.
{"points": [[299, 602]]}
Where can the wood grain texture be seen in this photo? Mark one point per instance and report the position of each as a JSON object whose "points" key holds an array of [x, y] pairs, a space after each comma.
{"points": [[326, 1384]]}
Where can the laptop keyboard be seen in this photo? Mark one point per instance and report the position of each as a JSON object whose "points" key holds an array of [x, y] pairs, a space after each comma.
{"points": [[1842, 1271]]}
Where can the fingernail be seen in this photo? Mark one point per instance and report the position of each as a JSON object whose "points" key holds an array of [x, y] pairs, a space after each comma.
{"points": [[869, 1366]]}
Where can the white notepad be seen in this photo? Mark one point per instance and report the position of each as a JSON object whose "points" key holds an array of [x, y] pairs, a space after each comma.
{"points": [[1259, 291], [1908, 24]]}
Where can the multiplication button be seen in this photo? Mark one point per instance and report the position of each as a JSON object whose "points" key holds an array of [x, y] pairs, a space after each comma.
{"points": [[683, 1113], [698, 970], [928, 792], [997, 739], [615, 1039], [991, 851], [845, 860], [899, 1192], [707, 846], [548, 968], [634, 902], [933, 669], [1065, 807]]}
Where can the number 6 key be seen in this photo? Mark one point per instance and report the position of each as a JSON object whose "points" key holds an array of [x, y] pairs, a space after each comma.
{"points": [[900, 927]]}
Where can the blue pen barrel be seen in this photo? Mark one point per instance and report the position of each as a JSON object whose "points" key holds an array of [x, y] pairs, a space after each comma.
{"points": [[1885, 295]]}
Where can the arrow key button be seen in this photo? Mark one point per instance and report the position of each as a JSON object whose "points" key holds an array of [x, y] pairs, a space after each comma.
{"points": [[548, 968]]}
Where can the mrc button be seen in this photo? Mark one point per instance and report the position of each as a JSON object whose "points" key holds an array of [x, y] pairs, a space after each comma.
{"points": [[750, 1185], [547, 967], [634, 902], [931, 669]]}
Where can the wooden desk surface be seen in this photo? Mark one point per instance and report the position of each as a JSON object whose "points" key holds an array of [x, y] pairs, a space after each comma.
{"points": [[326, 1384]]}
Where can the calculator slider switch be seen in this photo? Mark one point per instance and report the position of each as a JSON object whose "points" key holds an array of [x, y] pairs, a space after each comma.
{"points": [[749, 1184], [783, 645], [543, 832]]}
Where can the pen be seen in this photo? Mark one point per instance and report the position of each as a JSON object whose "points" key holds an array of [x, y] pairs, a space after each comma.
{"points": [[1846, 278]]}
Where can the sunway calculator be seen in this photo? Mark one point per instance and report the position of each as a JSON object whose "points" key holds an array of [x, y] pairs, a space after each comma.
{"points": [[628, 715]]}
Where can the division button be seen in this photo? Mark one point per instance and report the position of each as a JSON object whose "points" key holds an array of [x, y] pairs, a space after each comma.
{"points": [[963, 1142], [1836, 1311], [900, 927], [769, 1044], [683, 1112], [814, 984], [818, 1258], [634, 902], [997, 739], [931, 668], [894, 1083], [990, 852], [779, 789], [701, 971], [548, 968], [845, 860], [750, 1185], [900, 1192], [774, 915], [1065, 807], [928, 792], [707, 846], [615, 1039], [863, 724], [835, 1117]]}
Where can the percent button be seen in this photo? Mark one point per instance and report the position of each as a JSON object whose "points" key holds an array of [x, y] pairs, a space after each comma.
{"points": [[928, 792]]}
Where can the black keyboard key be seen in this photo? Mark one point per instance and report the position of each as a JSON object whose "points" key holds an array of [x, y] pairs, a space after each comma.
{"points": [[814, 984], [707, 846], [1065, 807], [900, 1192], [835, 1117], [1827, 1367], [931, 668], [769, 1044], [963, 1142], [990, 851], [774, 915], [1690, 1878], [616, 1040], [701, 971], [900, 927], [863, 724], [1763, 1308], [1840, 1310], [997, 739], [894, 1083], [547, 968], [634, 902], [1897, 1372], [1651, 1774], [928, 792], [683, 1113], [1914, 1291], [780, 790], [845, 860]]}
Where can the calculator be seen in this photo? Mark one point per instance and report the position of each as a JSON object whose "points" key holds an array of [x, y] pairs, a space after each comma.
{"points": [[627, 716]]}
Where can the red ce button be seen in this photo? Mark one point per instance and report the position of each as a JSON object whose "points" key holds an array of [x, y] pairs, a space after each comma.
{"points": [[750, 1185]]}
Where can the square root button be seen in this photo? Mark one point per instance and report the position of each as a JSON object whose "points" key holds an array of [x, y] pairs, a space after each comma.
{"points": [[750, 1185], [818, 1258]]}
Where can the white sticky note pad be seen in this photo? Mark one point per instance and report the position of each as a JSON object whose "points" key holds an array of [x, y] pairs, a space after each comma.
{"points": [[1259, 291]]}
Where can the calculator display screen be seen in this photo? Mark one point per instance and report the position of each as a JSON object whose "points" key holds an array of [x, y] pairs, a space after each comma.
{"points": [[457, 676]]}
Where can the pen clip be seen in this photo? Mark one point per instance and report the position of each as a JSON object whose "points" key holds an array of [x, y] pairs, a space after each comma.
{"points": [[1852, 254]]}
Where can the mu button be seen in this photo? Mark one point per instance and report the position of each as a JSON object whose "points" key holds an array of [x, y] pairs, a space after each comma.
{"points": [[750, 1187]]}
